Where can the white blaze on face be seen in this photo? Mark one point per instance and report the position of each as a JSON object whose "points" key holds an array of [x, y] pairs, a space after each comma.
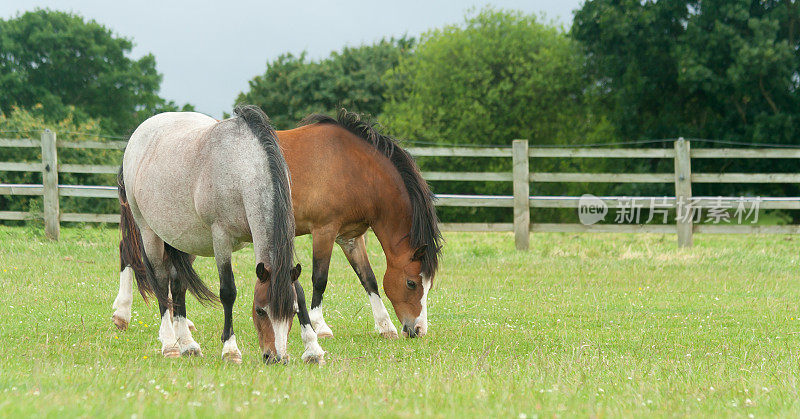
{"points": [[280, 330], [421, 322]]}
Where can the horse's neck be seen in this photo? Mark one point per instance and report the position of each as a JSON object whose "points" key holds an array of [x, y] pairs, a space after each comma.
{"points": [[392, 233]]}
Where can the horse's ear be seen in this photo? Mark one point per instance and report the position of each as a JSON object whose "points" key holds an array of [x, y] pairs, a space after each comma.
{"points": [[296, 272], [262, 272], [419, 253]]}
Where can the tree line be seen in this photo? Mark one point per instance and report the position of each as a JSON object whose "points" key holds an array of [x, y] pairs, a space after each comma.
{"points": [[625, 70]]}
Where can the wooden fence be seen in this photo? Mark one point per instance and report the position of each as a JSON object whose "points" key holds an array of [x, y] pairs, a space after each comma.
{"points": [[521, 176]]}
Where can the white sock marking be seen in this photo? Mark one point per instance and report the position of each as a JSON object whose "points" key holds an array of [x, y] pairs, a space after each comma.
{"points": [[230, 347], [312, 349], [383, 324], [318, 322], [166, 333], [184, 336], [124, 299]]}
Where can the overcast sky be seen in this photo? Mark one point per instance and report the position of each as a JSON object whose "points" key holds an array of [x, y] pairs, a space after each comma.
{"points": [[208, 50]]}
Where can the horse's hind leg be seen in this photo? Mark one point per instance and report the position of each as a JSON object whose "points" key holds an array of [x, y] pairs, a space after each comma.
{"points": [[189, 323], [158, 274], [122, 304], [180, 324], [356, 252]]}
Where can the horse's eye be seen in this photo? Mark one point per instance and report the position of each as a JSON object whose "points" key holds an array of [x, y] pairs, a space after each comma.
{"points": [[261, 312], [411, 284]]}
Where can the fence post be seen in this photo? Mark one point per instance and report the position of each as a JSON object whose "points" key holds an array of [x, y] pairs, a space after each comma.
{"points": [[683, 191], [50, 185], [522, 209]]}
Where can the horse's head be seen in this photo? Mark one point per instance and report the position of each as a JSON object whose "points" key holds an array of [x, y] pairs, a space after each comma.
{"points": [[273, 333], [407, 288]]}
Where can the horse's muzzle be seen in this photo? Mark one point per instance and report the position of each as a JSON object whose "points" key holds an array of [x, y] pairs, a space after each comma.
{"points": [[270, 358], [411, 331]]}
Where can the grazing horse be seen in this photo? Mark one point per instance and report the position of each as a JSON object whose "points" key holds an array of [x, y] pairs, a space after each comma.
{"points": [[346, 178], [190, 185]]}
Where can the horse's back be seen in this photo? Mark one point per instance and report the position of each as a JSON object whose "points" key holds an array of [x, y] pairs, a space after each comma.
{"points": [[161, 167], [186, 174], [336, 178], [167, 131]]}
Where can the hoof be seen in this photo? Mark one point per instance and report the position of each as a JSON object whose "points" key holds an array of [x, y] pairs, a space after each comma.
{"points": [[192, 350], [190, 325], [171, 351], [391, 334], [323, 331], [318, 359], [232, 358], [121, 323]]}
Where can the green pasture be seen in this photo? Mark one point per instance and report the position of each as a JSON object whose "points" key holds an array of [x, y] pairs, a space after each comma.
{"points": [[581, 325]]}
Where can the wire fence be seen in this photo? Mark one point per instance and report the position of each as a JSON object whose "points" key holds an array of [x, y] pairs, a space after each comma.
{"points": [[471, 145]]}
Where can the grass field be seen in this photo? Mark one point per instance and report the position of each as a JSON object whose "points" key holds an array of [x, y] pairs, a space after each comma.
{"points": [[600, 325]]}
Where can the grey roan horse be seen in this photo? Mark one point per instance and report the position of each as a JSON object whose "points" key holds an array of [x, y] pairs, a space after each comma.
{"points": [[190, 185]]}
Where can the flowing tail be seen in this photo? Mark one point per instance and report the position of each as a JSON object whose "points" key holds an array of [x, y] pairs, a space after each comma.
{"points": [[130, 245], [131, 253], [182, 262]]}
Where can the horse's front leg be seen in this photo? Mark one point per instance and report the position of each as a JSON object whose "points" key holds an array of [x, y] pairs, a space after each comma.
{"points": [[227, 295], [313, 353], [356, 252], [323, 246]]}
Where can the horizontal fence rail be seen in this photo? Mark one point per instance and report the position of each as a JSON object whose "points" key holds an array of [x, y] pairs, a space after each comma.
{"points": [[521, 176]]}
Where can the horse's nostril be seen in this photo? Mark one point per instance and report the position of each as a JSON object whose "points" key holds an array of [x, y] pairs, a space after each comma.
{"points": [[410, 331], [269, 358]]}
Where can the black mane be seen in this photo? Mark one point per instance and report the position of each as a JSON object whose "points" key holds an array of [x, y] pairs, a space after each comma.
{"points": [[282, 240], [424, 222]]}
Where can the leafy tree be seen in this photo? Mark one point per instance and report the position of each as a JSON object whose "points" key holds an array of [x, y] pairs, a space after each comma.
{"points": [[60, 60], [500, 76], [716, 69], [713, 69], [292, 86]]}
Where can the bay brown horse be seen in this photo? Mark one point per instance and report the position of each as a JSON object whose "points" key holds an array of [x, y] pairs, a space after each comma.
{"points": [[348, 177]]}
